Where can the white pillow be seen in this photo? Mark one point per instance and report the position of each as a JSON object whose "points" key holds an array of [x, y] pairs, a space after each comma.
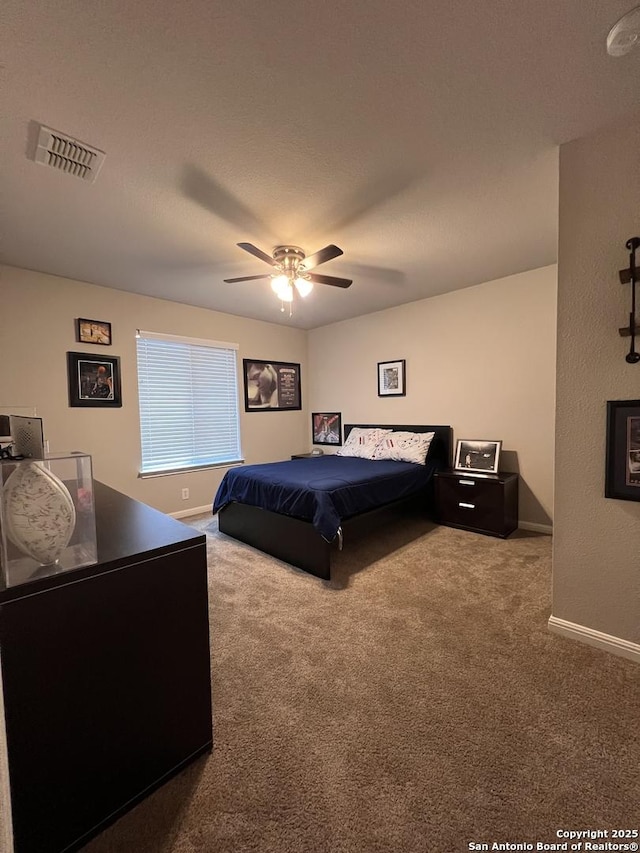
{"points": [[362, 442], [404, 447]]}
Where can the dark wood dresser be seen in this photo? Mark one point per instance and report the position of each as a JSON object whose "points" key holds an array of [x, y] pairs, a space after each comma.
{"points": [[482, 503], [106, 676]]}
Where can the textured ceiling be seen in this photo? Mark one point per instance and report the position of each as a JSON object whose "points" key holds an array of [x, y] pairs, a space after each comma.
{"points": [[419, 136]]}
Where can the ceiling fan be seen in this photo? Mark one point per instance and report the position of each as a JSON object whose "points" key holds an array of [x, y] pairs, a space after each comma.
{"points": [[292, 270]]}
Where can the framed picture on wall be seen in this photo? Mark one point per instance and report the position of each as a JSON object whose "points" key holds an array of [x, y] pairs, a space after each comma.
{"points": [[327, 428], [93, 332], [271, 386], [622, 472], [482, 456], [391, 378], [93, 381]]}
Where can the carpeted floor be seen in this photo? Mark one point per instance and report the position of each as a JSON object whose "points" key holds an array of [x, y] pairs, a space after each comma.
{"points": [[417, 702]]}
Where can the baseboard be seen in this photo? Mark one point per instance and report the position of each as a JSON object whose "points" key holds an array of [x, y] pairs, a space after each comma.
{"points": [[195, 510], [614, 645], [537, 528]]}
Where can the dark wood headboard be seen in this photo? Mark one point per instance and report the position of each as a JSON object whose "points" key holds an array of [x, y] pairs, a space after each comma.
{"points": [[441, 447]]}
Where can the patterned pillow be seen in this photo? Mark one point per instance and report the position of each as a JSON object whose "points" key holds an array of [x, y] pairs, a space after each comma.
{"points": [[404, 447], [362, 442]]}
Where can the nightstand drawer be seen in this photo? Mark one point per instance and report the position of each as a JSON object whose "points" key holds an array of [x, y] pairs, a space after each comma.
{"points": [[482, 504], [469, 513], [470, 490]]}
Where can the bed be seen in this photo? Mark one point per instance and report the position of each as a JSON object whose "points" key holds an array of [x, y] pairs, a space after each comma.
{"points": [[300, 510]]}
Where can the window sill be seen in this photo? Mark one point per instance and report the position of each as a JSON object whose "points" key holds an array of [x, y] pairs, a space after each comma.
{"points": [[145, 475]]}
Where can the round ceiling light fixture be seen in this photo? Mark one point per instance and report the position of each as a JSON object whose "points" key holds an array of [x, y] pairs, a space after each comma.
{"points": [[624, 34]]}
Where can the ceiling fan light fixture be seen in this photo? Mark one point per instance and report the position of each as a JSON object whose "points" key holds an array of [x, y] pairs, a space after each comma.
{"points": [[279, 283], [290, 276], [286, 294], [303, 286]]}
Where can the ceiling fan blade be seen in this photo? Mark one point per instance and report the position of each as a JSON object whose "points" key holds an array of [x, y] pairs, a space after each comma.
{"points": [[245, 278], [322, 256], [254, 250], [330, 279]]}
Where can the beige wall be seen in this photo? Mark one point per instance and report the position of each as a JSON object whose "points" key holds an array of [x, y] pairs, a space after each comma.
{"points": [[36, 331], [481, 359], [597, 540]]}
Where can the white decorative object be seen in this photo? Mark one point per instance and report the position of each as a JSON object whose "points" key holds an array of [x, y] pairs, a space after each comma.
{"points": [[38, 510], [404, 446], [362, 442]]}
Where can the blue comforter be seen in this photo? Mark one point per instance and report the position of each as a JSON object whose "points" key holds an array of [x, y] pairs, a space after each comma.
{"points": [[325, 490]]}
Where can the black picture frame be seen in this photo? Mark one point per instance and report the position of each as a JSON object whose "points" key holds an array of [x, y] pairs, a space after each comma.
{"points": [[326, 428], [478, 455], [392, 378], [93, 332], [622, 469], [271, 386], [93, 381]]}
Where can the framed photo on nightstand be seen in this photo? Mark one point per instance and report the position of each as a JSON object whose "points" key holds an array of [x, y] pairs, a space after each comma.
{"points": [[477, 455]]}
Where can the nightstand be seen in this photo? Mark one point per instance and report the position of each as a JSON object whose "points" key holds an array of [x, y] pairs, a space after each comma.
{"points": [[482, 503], [307, 456]]}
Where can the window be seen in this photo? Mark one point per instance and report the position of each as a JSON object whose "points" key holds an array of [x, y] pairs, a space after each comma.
{"points": [[188, 403]]}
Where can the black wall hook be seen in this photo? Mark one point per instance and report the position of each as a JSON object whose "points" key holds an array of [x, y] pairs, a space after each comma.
{"points": [[630, 275]]}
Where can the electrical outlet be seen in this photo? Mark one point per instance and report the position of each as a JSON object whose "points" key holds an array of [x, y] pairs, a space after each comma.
{"points": [[185, 494]]}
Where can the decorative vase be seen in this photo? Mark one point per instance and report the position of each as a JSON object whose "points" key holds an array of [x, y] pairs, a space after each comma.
{"points": [[39, 514]]}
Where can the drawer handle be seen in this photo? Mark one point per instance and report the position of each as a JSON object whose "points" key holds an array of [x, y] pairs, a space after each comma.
{"points": [[467, 482], [467, 506]]}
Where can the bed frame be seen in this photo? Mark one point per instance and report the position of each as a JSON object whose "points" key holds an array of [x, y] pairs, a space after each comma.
{"points": [[296, 541]]}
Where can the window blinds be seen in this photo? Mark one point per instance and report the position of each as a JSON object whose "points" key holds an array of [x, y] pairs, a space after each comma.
{"points": [[188, 403]]}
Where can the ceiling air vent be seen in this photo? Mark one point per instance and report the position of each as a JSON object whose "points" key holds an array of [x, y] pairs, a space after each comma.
{"points": [[67, 154]]}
